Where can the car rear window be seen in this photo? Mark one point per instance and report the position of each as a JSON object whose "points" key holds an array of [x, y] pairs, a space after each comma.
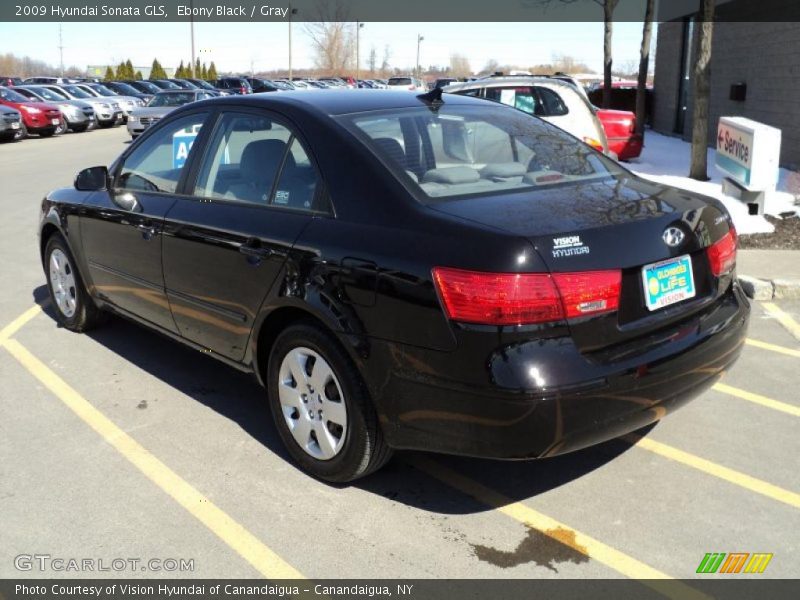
{"points": [[458, 150], [400, 81]]}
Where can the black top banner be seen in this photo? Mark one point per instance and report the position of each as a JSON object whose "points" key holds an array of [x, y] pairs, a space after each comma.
{"points": [[383, 10]]}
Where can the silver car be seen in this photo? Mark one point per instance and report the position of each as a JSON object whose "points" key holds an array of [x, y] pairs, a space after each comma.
{"points": [[127, 103], [161, 105], [551, 99], [78, 114], [11, 125], [107, 112]]}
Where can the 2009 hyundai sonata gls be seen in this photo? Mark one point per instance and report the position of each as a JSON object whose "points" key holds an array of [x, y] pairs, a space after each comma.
{"points": [[405, 272]]}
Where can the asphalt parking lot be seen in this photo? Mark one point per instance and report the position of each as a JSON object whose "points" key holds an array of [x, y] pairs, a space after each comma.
{"points": [[122, 444]]}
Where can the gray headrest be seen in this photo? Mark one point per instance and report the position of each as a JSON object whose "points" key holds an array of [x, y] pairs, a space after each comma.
{"points": [[451, 175], [261, 159]]}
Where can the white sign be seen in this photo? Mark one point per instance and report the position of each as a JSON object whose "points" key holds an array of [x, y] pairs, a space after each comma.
{"points": [[748, 152]]}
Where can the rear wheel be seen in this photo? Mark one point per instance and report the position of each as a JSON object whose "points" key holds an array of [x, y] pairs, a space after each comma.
{"points": [[75, 310], [321, 407], [61, 127]]}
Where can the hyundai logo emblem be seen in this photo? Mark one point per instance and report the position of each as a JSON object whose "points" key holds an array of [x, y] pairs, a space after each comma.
{"points": [[673, 237]]}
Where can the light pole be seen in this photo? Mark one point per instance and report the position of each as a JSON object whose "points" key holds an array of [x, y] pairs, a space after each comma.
{"points": [[419, 39], [191, 25], [358, 53], [292, 11]]}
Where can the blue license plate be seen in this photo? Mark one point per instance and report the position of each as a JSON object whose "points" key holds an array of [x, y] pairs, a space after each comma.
{"points": [[668, 282]]}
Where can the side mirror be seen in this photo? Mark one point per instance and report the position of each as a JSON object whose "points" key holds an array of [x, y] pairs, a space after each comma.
{"points": [[93, 179]]}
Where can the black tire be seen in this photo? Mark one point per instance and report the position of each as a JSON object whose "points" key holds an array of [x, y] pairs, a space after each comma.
{"points": [[22, 133], [86, 314], [364, 449], [61, 128]]}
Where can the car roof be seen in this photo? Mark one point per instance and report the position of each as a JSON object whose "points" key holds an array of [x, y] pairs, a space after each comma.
{"points": [[508, 80], [339, 101], [181, 91]]}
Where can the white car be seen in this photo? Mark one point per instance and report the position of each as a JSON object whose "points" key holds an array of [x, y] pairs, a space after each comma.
{"points": [[551, 99], [406, 83]]}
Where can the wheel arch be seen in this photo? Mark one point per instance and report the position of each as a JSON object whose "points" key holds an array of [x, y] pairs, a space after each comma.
{"points": [[278, 320]]}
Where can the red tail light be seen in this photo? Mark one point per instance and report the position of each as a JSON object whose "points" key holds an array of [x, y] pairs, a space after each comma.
{"points": [[722, 254], [243, 90], [589, 293], [524, 298]]}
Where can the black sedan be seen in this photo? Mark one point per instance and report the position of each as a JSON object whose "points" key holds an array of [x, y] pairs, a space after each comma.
{"points": [[404, 271]]}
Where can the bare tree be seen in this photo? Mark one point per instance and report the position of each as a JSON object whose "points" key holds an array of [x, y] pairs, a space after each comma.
{"points": [[459, 65], [490, 67], [608, 7], [702, 84], [644, 67], [331, 37], [372, 61], [387, 54]]}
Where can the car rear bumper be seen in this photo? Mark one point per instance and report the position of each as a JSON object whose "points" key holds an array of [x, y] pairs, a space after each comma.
{"points": [[553, 399], [627, 147]]}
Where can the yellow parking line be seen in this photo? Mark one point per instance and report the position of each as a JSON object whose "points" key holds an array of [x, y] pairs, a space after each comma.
{"points": [[580, 542], [730, 475], [783, 318], [758, 399], [265, 561], [773, 348], [9, 330]]}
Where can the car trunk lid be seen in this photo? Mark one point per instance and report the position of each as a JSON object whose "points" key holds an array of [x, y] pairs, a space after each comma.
{"points": [[611, 224]]}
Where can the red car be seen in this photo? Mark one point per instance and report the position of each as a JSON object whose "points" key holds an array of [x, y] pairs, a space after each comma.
{"points": [[620, 126], [38, 117]]}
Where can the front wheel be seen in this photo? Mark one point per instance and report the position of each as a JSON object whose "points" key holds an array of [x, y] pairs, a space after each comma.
{"points": [[75, 309], [61, 127], [321, 407]]}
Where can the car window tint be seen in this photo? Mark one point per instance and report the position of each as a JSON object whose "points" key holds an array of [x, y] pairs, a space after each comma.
{"points": [[156, 165], [522, 98], [553, 104], [298, 181], [243, 159]]}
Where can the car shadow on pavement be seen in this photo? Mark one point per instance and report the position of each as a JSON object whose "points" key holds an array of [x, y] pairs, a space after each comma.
{"points": [[238, 397]]}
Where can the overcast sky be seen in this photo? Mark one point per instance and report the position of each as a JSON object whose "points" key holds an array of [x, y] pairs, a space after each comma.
{"points": [[233, 46]]}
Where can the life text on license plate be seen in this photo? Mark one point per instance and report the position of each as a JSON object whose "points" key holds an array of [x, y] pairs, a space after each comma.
{"points": [[668, 282], [54, 121], [15, 126]]}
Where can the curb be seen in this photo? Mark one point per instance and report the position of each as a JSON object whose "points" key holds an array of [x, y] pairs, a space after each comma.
{"points": [[770, 289]]}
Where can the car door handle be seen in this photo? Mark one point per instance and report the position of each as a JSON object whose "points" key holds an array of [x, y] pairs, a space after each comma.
{"points": [[253, 249], [148, 231]]}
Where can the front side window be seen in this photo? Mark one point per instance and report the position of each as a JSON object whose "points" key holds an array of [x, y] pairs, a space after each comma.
{"points": [[459, 150], [156, 165], [257, 160]]}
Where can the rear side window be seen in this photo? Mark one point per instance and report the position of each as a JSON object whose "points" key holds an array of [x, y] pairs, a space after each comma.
{"points": [[553, 104], [257, 160], [521, 97], [156, 165]]}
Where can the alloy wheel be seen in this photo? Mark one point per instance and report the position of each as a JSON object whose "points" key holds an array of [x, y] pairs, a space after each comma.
{"points": [[62, 280]]}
